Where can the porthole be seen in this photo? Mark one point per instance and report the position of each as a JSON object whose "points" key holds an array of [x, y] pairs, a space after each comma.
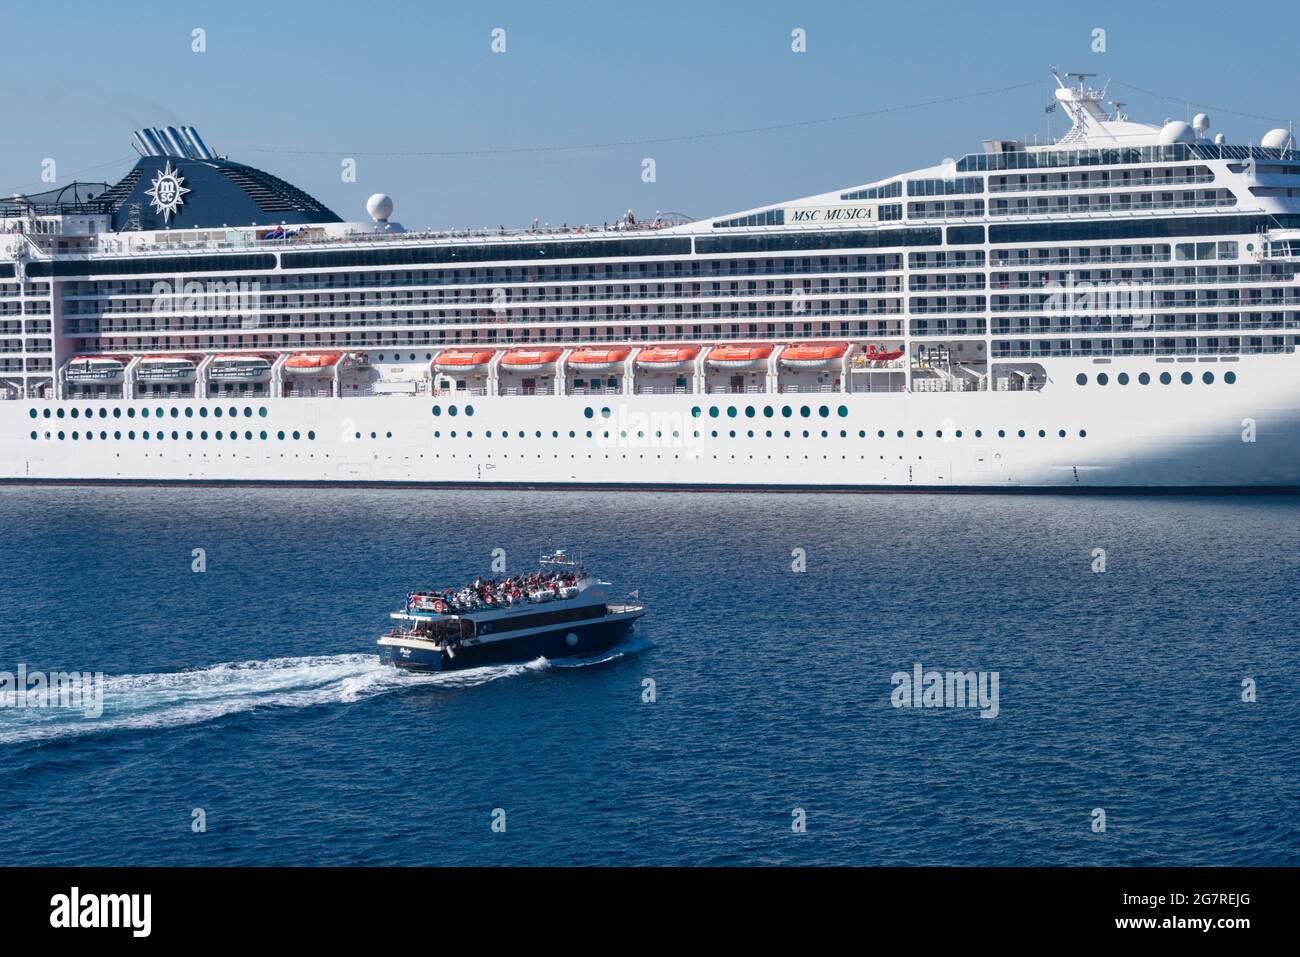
{"points": [[805, 411], [843, 411], [1144, 378], [278, 435], [1186, 378], [824, 412], [469, 410], [768, 411], [1122, 378], [1061, 433], [1166, 378], [1021, 433], [203, 412], [1208, 378], [33, 415], [1102, 378], [1083, 433], [1230, 377], [296, 436], [786, 411], [451, 410], [750, 412], [262, 411], [714, 412], [731, 411], [437, 410], [1081, 379], [695, 412], [1042, 434]]}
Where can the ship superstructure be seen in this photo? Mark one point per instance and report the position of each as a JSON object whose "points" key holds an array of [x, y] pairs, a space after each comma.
{"points": [[1116, 309]]}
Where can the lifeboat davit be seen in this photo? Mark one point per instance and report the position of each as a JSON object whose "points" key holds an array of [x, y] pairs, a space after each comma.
{"points": [[738, 356], [244, 368], [667, 357], [873, 353], [311, 363], [530, 358], [94, 368], [813, 355], [166, 367], [596, 360], [463, 360]]}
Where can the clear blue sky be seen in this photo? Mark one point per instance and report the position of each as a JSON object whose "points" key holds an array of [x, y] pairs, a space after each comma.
{"points": [[350, 78]]}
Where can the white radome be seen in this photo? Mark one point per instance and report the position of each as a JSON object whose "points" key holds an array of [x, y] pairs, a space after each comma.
{"points": [[380, 207], [1176, 131], [1278, 139], [1201, 122]]}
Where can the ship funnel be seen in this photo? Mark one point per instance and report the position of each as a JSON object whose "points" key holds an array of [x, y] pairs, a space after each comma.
{"points": [[174, 145], [141, 145], [151, 141], [200, 148]]}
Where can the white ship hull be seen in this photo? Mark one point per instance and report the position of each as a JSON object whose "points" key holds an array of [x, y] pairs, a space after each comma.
{"points": [[1244, 435]]}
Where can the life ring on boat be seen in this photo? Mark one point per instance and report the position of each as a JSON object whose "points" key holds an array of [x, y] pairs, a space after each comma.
{"points": [[439, 605]]}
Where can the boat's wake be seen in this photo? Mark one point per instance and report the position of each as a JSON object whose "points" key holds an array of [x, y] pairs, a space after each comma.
{"points": [[174, 699]]}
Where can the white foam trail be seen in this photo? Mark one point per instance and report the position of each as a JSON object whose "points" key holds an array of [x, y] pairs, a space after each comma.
{"points": [[173, 699]]}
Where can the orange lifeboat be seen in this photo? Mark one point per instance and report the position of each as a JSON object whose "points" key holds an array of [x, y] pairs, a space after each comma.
{"points": [[308, 363], [530, 358], [738, 356], [463, 360], [813, 355], [594, 360], [667, 357]]}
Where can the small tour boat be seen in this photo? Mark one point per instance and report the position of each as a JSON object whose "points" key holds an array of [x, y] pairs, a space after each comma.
{"points": [[559, 611]]}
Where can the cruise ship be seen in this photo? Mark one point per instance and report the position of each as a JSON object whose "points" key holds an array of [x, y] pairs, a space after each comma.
{"points": [[1117, 309]]}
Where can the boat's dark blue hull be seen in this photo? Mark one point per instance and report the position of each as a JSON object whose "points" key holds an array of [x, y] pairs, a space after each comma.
{"points": [[570, 640]]}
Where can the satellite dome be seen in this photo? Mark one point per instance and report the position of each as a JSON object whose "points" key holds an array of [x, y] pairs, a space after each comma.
{"points": [[1220, 139], [1278, 139], [1201, 122], [380, 207], [1176, 131]]}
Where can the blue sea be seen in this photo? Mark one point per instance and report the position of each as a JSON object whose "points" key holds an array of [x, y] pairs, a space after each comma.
{"points": [[247, 696]]}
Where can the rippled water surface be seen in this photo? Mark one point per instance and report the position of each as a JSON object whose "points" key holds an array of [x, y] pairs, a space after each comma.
{"points": [[251, 690]]}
